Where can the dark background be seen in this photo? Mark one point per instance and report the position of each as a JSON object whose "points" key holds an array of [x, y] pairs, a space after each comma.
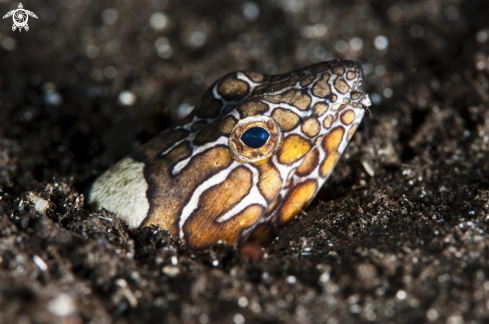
{"points": [[398, 233]]}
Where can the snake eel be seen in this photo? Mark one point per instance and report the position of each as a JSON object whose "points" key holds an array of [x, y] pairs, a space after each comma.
{"points": [[252, 154]]}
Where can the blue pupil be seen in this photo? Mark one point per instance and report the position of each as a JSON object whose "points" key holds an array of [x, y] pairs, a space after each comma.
{"points": [[255, 137]]}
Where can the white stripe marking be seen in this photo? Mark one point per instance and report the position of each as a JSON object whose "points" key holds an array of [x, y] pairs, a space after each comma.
{"points": [[182, 164], [252, 198], [194, 200]]}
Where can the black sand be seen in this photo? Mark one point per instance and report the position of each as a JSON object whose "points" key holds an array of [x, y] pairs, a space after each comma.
{"points": [[397, 235]]}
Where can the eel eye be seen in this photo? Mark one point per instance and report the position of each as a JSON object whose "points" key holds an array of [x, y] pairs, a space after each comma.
{"points": [[255, 137]]}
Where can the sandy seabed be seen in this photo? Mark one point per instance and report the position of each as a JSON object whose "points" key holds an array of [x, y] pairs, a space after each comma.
{"points": [[397, 235]]}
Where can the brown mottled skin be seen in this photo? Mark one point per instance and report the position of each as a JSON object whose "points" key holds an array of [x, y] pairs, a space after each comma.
{"points": [[200, 180]]}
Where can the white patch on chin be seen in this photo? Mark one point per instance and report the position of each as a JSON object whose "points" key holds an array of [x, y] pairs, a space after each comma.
{"points": [[122, 190]]}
